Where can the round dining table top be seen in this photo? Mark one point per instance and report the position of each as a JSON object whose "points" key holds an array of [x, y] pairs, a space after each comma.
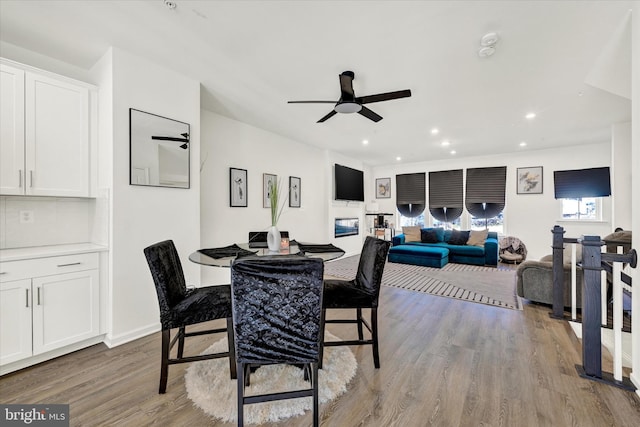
{"points": [[200, 258]]}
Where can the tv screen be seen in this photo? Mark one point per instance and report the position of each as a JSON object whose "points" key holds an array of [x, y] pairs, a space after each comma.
{"points": [[349, 183], [579, 183]]}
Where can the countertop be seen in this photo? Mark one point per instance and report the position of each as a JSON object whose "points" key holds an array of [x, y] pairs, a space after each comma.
{"points": [[48, 251]]}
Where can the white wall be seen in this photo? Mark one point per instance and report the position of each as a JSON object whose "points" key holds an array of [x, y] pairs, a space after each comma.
{"points": [[527, 216], [144, 215], [621, 179], [635, 182], [228, 143]]}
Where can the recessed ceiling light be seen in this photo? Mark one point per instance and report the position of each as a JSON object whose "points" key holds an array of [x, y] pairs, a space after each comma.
{"points": [[398, 158], [365, 141], [530, 116], [169, 4], [453, 151], [523, 144], [435, 131], [445, 143]]}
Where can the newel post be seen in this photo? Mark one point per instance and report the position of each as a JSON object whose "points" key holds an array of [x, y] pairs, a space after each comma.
{"points": [[558, 272], [591, 306]]}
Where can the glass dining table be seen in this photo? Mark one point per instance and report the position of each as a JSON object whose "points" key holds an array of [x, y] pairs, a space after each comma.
{"points": [[224, 256]]}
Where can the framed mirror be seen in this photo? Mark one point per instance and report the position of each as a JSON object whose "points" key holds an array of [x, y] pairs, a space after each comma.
{"points": [[159, 151]]}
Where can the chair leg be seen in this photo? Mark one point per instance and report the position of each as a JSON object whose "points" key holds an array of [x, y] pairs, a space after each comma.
{"points": [[232, 349], [182, 331], [374, 336], [316, 398], [359, 319], [321, 349], [240, 381], [164, 362]]}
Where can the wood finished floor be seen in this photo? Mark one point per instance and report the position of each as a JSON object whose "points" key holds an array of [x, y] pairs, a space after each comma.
{"points": [[445, 362]]}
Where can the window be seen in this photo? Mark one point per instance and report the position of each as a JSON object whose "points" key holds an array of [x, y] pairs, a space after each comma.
{"points": [[495, 223], [584, 209], [406, 221], [455, 225]]}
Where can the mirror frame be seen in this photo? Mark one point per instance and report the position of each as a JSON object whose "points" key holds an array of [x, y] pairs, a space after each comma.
{"points": [[139, 124]]}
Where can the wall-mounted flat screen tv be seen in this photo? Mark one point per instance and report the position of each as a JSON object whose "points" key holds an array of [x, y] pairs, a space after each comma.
{"points": [[349, 183], [579, 183]]}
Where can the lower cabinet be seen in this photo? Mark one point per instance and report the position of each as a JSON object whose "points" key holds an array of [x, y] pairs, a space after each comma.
{"points": [[48, 311]]}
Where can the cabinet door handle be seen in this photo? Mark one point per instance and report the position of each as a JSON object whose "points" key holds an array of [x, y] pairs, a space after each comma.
{"points": [[67, 265], [31, 178], [39, 302], [27, 298], [19, 178], [3, 272]]}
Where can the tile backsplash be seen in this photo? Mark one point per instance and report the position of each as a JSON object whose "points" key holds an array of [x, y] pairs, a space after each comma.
{"points": [[41, 221]]}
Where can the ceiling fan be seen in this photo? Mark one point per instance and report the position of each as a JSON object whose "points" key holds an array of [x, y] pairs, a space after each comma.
{"points": [[185, 139], [349, 103]]}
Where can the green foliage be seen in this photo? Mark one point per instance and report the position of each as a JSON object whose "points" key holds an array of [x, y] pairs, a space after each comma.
{"points": [[274, 194]]}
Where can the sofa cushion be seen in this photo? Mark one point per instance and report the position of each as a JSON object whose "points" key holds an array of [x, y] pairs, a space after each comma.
{"points": [[428, 235], [477, 237], [411, 234], [466, 250], [458, 237]]}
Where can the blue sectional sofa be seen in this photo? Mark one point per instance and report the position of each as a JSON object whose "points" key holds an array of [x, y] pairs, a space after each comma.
{"points": [[438, 254]]}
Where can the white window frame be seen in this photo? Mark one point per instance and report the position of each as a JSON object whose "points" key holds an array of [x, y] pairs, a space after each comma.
{"points": [[598, 211]]}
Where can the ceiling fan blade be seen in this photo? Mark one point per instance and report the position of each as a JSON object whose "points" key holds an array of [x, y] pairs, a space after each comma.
{"points": [[346, 85], [170, 138], [370, 114], [328, 116], [383, 96], [311, 102]]}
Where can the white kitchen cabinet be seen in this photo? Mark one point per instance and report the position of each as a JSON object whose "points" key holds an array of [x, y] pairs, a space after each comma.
{"points": [[47, 304], [15, 321], [47, 132]]}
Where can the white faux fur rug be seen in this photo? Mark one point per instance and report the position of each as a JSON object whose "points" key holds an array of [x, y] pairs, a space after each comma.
{"points": [[211, 389]]}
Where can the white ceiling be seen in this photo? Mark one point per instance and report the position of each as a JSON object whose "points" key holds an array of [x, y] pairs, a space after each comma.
{"points": [[253, 56]]}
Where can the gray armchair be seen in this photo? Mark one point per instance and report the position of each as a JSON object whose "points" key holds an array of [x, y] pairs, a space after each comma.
{"points": [[535, 281]]}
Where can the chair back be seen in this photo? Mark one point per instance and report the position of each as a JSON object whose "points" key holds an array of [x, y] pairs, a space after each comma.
{"points": [[371, 265], [167, 274], [277, 308]]}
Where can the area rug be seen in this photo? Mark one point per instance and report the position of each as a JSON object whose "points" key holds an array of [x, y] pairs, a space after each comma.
{"points": [[479, 284], [210, 388]]}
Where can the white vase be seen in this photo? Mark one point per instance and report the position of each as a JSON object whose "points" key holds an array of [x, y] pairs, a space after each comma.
{"points": [[273, 239]]}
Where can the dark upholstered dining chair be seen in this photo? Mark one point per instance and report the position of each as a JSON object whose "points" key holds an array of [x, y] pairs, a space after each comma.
{"points": [[361, 292], [277, 309], [181, 307]]}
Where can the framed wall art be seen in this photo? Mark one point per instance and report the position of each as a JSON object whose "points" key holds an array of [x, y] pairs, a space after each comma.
{"points": [[383, 188], [267, 181], [529, 180], [238, 188], [295, 191]]}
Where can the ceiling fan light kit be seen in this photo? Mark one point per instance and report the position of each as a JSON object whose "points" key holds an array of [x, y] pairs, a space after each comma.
{"points": [[349, 103]]}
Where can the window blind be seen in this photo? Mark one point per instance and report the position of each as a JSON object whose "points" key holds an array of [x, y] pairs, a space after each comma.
{"points": [[485, 191], [446, 195], [410, 194], [578, 183]]}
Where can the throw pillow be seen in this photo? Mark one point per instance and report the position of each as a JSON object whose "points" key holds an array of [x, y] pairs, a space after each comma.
{"points": [[428, 235], [477, 237], [458, 237], [411, 234]]}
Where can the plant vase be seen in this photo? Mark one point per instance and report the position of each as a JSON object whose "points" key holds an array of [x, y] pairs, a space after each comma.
{"points": [[273, 239]]}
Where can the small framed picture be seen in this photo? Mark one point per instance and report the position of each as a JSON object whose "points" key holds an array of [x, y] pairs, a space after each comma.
{"points": [[294, 192], [268, 180], [237, 187], [383, 188], [529, 180]]}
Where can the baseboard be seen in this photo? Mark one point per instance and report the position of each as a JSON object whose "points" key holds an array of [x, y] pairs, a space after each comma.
{"points": [[114, 341]]}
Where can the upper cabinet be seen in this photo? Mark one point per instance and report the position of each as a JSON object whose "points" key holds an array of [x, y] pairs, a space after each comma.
{"points": [[47, 134]]}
